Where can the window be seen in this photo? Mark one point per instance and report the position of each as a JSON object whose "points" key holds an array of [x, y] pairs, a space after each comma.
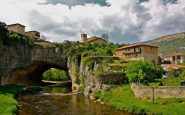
{"points": [[173, 57], [178, 57]]}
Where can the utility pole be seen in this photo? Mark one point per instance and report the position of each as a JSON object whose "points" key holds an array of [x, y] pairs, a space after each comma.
{"points": [[153, 89]]}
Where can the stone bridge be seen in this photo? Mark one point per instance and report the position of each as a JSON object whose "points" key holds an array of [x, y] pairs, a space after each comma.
{"points": [[22, 64]]}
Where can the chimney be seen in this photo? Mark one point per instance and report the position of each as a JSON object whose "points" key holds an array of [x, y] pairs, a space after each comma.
{"points": [[83, 37]]}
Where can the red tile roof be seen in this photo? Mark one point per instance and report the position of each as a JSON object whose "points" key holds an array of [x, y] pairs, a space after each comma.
{"points": [[94, 38], [172, 66], [135, 45], [16, 24], [175, 54]]}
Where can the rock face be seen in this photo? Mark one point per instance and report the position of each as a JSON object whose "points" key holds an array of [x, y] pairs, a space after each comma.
{"points": [[73, 65], [97, 78]]}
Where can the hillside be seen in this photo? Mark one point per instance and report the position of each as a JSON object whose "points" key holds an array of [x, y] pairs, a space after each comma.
{"points": [[169, 43]]}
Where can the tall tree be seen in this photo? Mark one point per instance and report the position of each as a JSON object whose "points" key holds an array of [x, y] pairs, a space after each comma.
{"points": [[3, 33], [105, 36]]}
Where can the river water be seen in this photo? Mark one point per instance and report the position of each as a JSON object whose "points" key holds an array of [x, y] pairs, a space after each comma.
{"points": [[60, 101]]}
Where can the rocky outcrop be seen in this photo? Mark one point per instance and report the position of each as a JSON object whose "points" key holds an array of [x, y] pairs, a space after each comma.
{"points": [[97, 77], [73, 65]]}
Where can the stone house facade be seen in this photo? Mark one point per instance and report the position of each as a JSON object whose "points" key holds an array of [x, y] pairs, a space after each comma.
{"points": [[143, 52], [20, 29], [175, 58]]}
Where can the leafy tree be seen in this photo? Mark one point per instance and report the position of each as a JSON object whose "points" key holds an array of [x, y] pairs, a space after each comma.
{"points": [[182, 73], [139, 70], [3, 33], [141, 75], [142, 70], [157, 70], [105, 36]]}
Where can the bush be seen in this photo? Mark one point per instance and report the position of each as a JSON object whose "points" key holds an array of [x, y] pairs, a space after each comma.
{"points": [[55, 75], [142, 71], [182, 74], [174, 73], [139, 70]]}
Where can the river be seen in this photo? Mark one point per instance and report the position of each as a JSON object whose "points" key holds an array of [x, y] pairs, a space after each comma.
{"points": [[61, 101]]}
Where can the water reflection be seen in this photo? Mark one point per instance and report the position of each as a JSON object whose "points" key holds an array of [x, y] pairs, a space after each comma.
{"points": [[78, 104]]}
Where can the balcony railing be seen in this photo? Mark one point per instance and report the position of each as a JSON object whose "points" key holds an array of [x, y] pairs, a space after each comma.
{"points": [[132, 51]]}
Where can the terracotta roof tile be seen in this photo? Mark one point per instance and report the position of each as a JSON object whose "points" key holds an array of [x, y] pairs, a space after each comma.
{"points": [[172, 66], [135, 45], [174, 54], [94, 38]]}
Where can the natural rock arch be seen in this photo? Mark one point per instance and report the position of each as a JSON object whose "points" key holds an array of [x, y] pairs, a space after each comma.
{"points": [[31, 74]]}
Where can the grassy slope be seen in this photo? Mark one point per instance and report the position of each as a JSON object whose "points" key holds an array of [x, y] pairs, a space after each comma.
{"points": [[122, 98], [8, 103]]}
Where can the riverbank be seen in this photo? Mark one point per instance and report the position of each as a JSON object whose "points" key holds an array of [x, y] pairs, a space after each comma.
{"points": [[8, 103], [122, 98]]}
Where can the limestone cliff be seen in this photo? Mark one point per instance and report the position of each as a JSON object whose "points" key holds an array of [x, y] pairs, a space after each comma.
{"points": [[97, 75]]}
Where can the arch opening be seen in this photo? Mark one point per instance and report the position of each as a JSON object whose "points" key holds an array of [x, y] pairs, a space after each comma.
{"points": [[32, 74], [56, 76]]}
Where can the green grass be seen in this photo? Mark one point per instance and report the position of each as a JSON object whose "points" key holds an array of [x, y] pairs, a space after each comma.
{"points": [[122, 98], [172, 81], [8, 103]]}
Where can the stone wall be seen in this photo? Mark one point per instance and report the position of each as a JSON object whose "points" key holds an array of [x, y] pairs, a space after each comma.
{"points": [[23, 64], [146, 92]]}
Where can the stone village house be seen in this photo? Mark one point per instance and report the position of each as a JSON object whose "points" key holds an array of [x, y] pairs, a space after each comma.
{"points": [[143, 52], [168, 67], [174, 58], [20, 29], [93, 39]]}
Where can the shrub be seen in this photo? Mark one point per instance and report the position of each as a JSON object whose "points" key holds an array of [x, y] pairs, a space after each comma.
{"points": [[182, 74], [139, 70], [143, 71], [174, 73]]}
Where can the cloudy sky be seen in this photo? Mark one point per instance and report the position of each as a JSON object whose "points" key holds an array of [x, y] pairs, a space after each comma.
{"points": [[124, 20]]}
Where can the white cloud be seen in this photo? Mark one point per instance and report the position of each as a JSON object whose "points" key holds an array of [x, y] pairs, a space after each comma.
{"points": [[127, 20]]}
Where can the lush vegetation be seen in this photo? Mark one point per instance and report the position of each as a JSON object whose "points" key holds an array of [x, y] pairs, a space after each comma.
{"points": [[55, 75], [9, 38], [8, 103], [141, 71], [85, 49], [175, 78], [122, 97], [98, 59], [17, 38]]}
